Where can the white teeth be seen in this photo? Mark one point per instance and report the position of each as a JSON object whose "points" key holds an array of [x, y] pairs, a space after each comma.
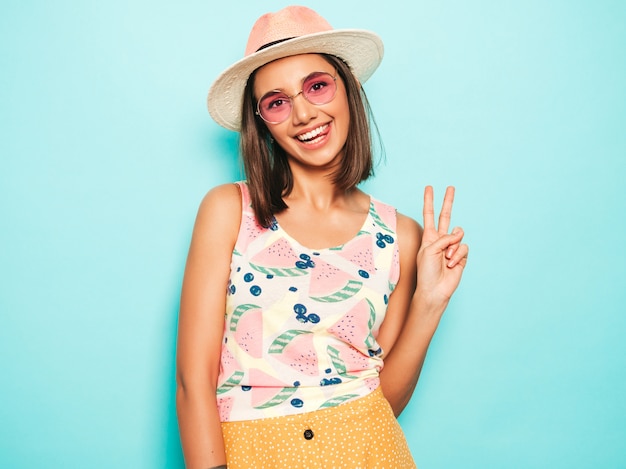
{"points": [[312, 134]]}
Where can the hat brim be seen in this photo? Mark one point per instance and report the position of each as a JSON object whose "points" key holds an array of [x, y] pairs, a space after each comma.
{"points": [[362, 50]]}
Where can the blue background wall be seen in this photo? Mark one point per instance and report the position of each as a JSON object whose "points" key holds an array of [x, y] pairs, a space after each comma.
{"points": [[106, 150]]}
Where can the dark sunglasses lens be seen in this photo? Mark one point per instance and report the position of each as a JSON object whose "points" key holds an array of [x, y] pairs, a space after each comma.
{"points": [[319, 88], [274, 106]]}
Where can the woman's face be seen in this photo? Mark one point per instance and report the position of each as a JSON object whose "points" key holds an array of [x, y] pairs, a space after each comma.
{"points": [[312, 135]]}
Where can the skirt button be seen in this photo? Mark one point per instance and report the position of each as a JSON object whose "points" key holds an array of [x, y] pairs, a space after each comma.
{"points": [[308, 434]]}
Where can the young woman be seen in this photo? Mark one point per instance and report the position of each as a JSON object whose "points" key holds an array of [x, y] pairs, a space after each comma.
{"points": [[303, 323]]}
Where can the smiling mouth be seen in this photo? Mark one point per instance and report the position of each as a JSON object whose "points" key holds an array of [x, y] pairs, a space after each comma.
{"points": [[313, 135]]}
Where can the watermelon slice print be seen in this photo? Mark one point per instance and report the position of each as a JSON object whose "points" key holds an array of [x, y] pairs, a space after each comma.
{"points": [[355, 327], [228, 362], [340, 364], [329, 284], [248, 232], [231, 382], [279, 398], [278, 259], [383, 215], [238, 312], [359, 252], [225, 407], [335, 401], [372, 383], [247, 324], [394, 273], [272, 393], [296, 349]]}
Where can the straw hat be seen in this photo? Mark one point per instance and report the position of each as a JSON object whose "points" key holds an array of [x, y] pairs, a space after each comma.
{"points": [[291, 31]]}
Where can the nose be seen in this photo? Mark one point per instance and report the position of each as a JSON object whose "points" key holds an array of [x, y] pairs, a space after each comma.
{"points": [[302, 111]]}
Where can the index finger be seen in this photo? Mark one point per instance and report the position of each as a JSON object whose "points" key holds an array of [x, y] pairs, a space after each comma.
{"points": [[429, 211]]}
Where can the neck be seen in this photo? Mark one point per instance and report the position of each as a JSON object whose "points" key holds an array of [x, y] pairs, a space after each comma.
{"points": [[316, 189]]}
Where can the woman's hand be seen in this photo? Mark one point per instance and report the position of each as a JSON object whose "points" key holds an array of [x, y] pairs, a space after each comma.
{"points": [[441, 257]]}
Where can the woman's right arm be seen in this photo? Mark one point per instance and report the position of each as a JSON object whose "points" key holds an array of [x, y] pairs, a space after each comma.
{"points": [[200, 326]]}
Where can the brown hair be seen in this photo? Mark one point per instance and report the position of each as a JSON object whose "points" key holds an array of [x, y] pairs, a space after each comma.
{"points": [[265, 162]]}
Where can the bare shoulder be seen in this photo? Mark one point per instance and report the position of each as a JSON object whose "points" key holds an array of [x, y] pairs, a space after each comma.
{"points": [[222, 197], [220, 211], [409, 234]]}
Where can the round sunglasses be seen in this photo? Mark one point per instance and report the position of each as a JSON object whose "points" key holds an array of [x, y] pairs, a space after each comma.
{"points": [[318, 88]]}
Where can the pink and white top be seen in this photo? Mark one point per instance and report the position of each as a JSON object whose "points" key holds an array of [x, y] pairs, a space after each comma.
{"points": [[301, 324]]}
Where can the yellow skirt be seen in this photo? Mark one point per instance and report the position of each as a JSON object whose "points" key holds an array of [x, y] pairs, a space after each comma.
{"points": [[361, 434]]}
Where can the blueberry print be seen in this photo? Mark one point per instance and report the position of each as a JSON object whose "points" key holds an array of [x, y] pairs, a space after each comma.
{"points": [[246, 388], [255, 290], [274, 225], [382, 240], [249, 277], [293, 289], [331, 381], [269, 276], [364, 274], [300, 311], [301, 316], [297, 403], [296, 383], [232, 289], [305, 263], [386, 299]]}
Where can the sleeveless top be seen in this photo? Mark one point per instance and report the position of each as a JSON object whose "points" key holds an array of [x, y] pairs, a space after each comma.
{"points": [[301, 324]]}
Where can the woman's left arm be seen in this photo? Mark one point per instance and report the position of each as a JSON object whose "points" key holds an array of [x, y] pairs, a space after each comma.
{"points": [[418, 301]]}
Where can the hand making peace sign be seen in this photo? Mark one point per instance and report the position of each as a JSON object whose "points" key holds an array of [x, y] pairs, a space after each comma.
{"points": [[441, 257]]}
